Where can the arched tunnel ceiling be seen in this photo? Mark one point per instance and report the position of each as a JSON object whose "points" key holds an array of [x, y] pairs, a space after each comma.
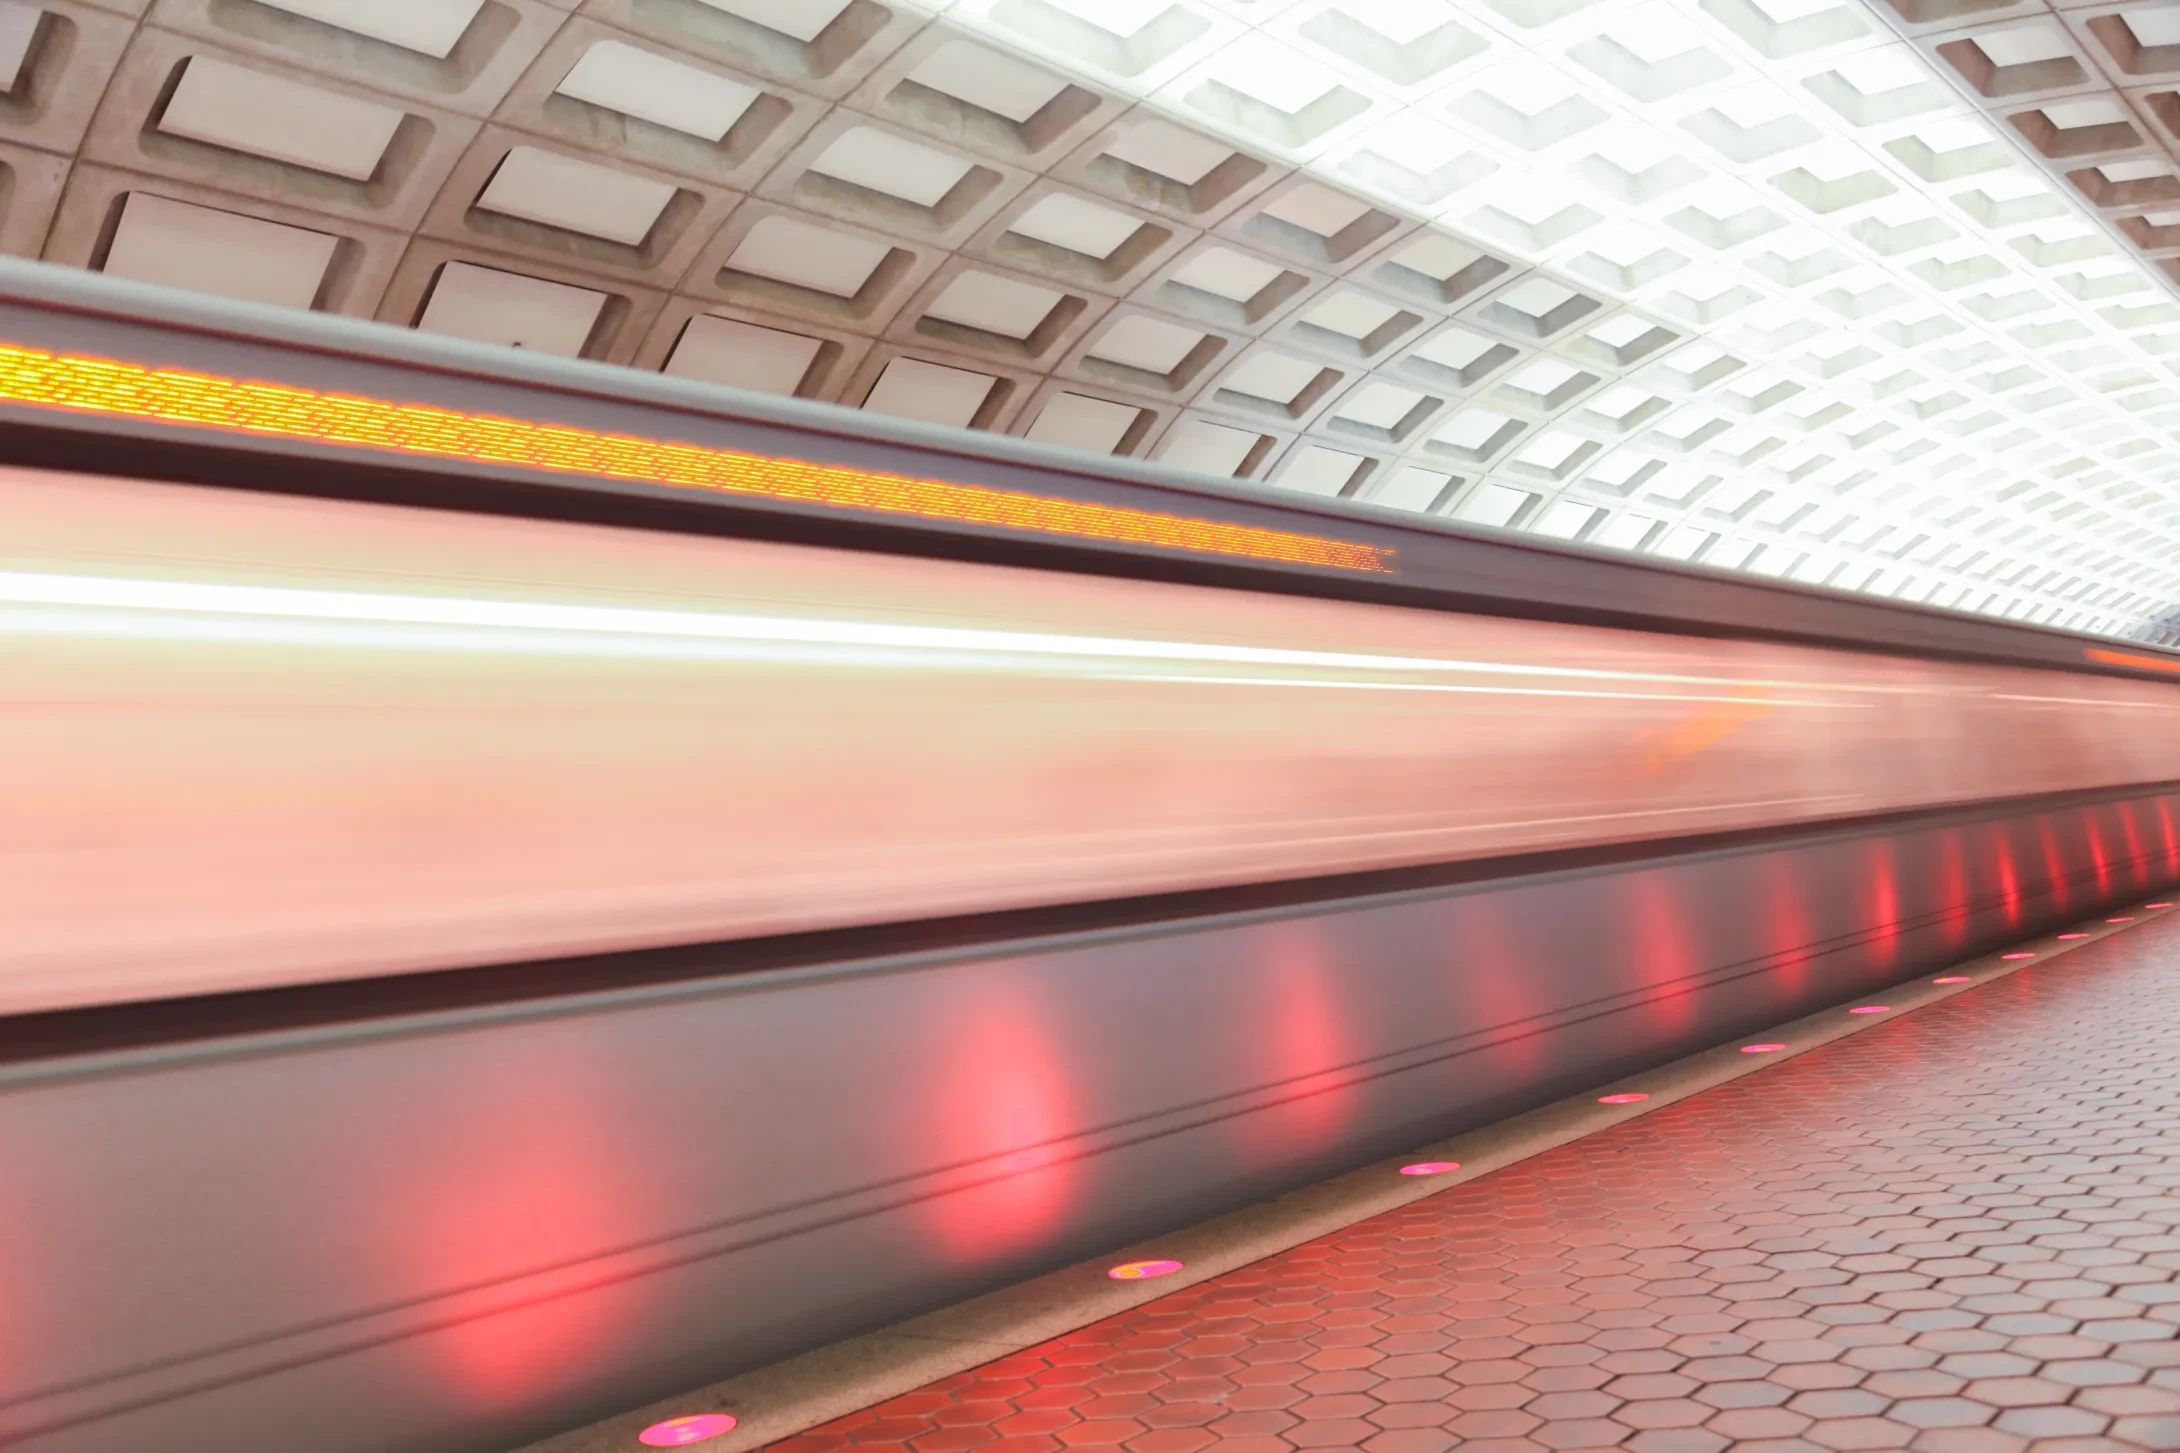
{"points": [[1869, 294]]}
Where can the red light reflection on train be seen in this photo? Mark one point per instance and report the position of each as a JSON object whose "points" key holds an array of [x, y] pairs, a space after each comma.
{"points": [[1665, 951], [506, 1178], [1953, 889], [1003, 1104], [2136, 858], [1786, 923], [1489, 984], [1884, 902], [2009, 881], [1305, 1046], [2054, 863]]}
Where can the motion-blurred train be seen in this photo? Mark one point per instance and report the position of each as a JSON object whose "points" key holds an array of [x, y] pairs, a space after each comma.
{"points": [[531, 886]]}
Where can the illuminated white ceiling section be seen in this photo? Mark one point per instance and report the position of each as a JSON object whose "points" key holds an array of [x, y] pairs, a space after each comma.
{"points": [[1861, 338], [1872, 293]]}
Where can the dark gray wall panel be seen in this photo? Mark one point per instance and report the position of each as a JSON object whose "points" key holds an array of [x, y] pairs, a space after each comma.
{"points": [[466, 1232]]}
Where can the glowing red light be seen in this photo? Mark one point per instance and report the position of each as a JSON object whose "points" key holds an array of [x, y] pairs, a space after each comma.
{"points": [[2017, 956], [1430, 1168], [2157, 905], [2073, 935], [1871, 1009], [2123, 918], [1140, 1270], [1761, 1048], [680, 1432], [1951, 979], [1627, 1099]]}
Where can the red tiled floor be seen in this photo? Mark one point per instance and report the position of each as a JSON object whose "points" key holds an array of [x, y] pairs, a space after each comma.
{"points": [[1958, 1232]]}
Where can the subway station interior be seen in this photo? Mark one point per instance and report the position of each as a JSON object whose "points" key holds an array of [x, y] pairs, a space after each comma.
{"points": [[1017, 726]]}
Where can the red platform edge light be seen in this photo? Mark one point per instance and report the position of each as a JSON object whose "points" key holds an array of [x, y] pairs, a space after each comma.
{"points": [[1761, 1048], [1430, 1168], [2157, 905], [1143, 1270], [681, 1432], [1627, 1099], [1871, 1009], [1951, 979], [204, 400], [2018, 956], [2123, 918], [2064, 936]]}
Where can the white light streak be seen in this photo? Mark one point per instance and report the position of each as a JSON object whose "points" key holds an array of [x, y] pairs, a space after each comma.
{"points": [[524, 625]]}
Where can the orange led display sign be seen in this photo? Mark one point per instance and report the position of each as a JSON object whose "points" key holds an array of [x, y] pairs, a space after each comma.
{"points": [[2129, 659], [105, 386]]}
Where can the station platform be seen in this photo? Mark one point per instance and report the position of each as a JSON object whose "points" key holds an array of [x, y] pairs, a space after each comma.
{"points": [[1956, 1230]]}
